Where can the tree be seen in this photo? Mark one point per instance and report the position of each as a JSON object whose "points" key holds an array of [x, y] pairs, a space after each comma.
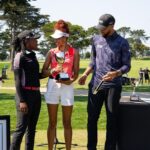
{"points": [[44, 47], [5, 40], [138, 37], [91, 32], [123, 31], [20, 15], [47, 29], [139, 34], [78, 36], [3, 55], [87, 55]]}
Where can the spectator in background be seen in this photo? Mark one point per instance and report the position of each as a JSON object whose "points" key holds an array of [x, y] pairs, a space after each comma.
{"points": [[1, 81], [146, 75], [141, 76]]}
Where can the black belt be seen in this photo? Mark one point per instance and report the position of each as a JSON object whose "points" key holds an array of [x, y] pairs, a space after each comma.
{"points": [[31, 88]]}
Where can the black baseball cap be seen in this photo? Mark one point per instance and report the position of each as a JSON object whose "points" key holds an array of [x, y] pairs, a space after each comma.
{"points": [[105, 20], [27, 34]]}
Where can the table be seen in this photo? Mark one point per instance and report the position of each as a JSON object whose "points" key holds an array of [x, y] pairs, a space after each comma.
{"points": [[134, 125]]}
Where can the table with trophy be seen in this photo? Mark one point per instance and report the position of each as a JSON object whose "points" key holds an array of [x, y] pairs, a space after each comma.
{"points": [[134, 121]]}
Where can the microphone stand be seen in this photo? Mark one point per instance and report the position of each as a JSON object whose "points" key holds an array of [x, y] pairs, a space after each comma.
{"points": [[56, 142]]}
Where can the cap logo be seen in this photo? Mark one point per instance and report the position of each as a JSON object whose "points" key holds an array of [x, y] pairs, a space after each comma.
{"points": [[101, 21]]}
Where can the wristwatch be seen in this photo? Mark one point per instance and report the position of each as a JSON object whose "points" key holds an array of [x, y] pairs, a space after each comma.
{"points": [[118, 73]]}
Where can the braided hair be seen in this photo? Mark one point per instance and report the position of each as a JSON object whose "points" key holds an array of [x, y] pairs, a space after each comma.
{"points": [[19, 45]]}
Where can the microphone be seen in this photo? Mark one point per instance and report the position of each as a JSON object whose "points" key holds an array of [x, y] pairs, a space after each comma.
{"points": [[98, 87]]}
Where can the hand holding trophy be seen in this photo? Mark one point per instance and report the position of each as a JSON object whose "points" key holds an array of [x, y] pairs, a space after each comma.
{"points": [[96, 89], [60, 58]]}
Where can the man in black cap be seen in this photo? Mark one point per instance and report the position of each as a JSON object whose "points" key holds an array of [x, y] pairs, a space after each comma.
{"points": [[110, 58], [28, 98]]}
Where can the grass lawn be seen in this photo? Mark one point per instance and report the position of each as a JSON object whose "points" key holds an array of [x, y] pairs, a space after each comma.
{"points": [[79, 122], [136, 64], [79, 118], [79, 140]]}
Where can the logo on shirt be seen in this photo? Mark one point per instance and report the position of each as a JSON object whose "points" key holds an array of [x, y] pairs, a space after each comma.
{"points": [[28, 60], [99, 46]]}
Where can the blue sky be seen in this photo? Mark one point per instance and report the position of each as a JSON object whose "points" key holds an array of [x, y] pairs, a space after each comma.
{"points": [[129, 13]]}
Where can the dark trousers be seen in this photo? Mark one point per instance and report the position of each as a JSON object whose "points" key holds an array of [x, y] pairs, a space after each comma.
{"points": [[27, 122], [111, 98]]}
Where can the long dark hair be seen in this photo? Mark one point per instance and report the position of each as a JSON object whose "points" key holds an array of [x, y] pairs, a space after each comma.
{"points": [[19, 45]]}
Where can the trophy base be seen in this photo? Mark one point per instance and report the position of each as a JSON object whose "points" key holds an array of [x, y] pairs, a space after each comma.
{"points": [[135, 98], [62, 76]]}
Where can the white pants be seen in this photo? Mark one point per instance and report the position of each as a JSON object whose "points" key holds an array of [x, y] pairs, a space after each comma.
{"points": [[59, 92]]}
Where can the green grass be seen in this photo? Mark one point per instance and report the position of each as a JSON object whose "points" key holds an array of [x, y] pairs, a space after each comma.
{"points": [[79, 117], [136, 64], [143, 88], [79, 138]]}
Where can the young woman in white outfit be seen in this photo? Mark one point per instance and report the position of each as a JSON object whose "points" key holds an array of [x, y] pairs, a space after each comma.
{"points": [[60, 88]]}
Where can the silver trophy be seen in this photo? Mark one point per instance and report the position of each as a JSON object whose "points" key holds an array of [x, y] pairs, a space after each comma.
{"points": [[98, 87], [60, 58], [134, 96]]}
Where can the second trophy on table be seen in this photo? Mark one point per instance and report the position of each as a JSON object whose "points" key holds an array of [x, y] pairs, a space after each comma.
{"points": [[134, 96]]}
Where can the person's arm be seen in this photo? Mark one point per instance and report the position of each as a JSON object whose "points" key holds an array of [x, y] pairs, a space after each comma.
{"points": [[90, 68], [76, 66], [18, 62], [19, 89], [83, 77], [18, 66], [126, 58], [41, 76], [45, 70], [92, 59]]}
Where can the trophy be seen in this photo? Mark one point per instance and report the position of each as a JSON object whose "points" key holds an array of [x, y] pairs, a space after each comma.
{"points": [[134, 96], [60, 58], [97, 88]]}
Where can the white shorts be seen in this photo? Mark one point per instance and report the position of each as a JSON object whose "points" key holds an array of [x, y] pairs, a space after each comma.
{"points": [[59, 92]]}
